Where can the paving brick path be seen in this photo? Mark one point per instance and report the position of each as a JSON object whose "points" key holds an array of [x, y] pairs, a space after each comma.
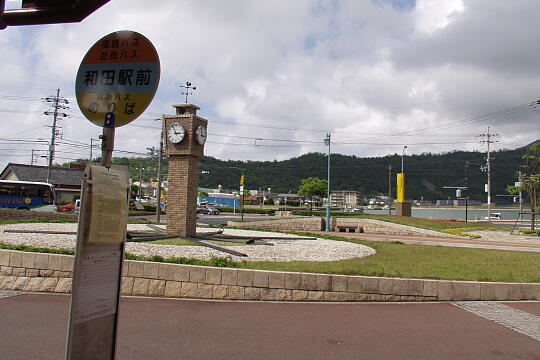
{"points": [[517, 320]]}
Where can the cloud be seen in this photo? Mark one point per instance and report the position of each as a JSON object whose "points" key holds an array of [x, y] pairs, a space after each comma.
{"points": [[288, 72], [433, 15]]}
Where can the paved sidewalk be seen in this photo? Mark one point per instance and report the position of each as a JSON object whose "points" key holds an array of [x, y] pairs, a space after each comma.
{"points": [[34, 327]]}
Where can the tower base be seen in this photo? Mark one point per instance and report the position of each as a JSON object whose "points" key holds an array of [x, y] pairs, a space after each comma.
{"points": [[403, 208]]}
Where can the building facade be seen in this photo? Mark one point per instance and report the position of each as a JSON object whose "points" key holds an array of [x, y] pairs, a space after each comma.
{"points": [[345, 198]]}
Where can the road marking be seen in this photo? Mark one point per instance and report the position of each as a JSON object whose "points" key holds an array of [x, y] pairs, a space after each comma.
{"points": [[517, 320]]}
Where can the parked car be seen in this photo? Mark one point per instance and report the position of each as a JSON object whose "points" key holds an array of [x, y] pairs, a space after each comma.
{"points": [[494, 216], [207, 210]]}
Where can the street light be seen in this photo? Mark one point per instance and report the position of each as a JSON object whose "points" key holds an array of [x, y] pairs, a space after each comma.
{"points": [[402, 155]]}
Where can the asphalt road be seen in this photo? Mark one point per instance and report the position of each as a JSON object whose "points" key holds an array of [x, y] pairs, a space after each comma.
{"points": [[34, 327]]}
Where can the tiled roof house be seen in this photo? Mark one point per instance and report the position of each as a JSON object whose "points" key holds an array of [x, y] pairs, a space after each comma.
{"points": [[67, 181]]}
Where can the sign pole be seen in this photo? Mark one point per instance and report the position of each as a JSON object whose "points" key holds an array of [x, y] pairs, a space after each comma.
{"points": [[116, 81], [107, 146]]}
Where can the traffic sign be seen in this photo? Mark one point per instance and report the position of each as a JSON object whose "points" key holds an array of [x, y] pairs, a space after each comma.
{"points": [[117, 79]]}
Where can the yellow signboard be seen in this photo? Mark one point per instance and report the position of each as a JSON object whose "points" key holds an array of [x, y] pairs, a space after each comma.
{"points": [[401, 187], [117, 79], [242, 180]]}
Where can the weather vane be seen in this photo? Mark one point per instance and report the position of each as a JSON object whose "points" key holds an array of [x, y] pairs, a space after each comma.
{"points": [[188, 87]]}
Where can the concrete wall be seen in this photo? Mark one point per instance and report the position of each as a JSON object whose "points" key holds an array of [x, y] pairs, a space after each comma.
{"points": [[296, 223], [35, 272]]}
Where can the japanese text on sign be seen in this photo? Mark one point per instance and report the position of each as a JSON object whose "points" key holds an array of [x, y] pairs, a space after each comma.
{"points": [[118, 76]]}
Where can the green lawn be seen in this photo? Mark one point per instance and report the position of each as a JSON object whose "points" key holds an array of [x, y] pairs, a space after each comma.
{"points": [[439, 225], [391, 259], [427, 262]]}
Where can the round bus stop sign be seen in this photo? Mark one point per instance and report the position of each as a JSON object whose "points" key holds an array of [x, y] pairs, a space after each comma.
{"points": [[117, 79]]}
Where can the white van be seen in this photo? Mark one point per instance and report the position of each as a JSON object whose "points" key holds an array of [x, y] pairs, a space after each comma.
{"points": [[77, 209]]}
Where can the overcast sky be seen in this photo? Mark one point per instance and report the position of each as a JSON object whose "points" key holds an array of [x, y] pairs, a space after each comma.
{"points": [[273, 77]]}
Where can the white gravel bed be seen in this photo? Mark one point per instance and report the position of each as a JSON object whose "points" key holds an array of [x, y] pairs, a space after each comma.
{"points": [[283, 250], [504, 236]]}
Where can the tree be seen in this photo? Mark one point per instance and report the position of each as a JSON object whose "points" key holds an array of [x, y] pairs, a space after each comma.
{"points": [[311, 187], [530, 179], [134, 190]]}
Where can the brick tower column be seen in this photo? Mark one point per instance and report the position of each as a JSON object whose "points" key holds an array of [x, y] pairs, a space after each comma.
{"points": [[185, 135], [183, 186]]}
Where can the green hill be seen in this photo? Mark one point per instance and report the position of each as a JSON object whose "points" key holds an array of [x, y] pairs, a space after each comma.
{"points": [[426, 174]]}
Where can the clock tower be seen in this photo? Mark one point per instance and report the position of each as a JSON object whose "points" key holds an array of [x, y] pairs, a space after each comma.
{"points": [[185, 135]]}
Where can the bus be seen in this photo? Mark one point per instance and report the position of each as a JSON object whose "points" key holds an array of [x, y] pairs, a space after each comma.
{"points": [[27, 195]]}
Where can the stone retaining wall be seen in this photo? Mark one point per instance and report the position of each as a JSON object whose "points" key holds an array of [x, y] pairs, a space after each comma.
{"points": [[295, 223], [11, 214], [35, 272], [368, 226], [372, 226]]}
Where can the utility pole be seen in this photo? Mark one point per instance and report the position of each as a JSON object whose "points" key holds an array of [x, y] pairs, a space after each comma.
{"points": [[487, 138], [389, 189], [327, 143], [58, 103], [520, 198], [160, 165], [92, 147], [32, 159]]}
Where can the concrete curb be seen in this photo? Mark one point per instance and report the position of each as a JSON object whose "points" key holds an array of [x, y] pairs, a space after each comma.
{"points": [[37, 272]]}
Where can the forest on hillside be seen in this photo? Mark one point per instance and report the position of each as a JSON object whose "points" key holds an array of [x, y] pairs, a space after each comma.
{"points": [[426, 174]]}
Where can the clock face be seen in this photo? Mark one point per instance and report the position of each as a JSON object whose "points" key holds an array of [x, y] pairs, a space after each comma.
{"points": [[200, 134], [176, 133]]}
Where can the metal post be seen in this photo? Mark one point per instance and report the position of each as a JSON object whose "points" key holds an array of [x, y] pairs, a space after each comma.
{"points": [[489, 178], [140, 182], [242, 197], [389, 189], [160, 165], [467, 190], [327, 142], [402, 155]]}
